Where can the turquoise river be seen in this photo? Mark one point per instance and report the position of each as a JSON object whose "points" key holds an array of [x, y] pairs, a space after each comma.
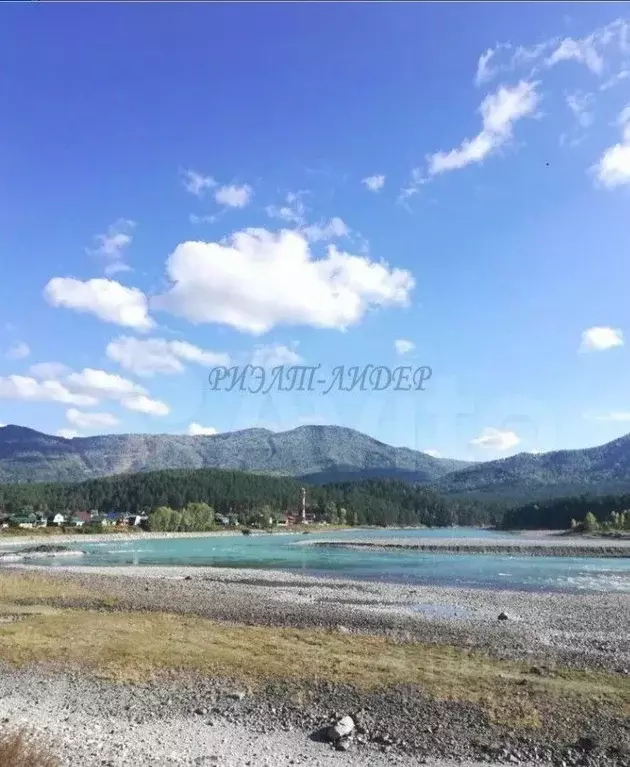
{"points": [[291, 552]]}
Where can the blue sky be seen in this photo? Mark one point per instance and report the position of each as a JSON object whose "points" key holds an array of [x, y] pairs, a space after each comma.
{"points": [[184, 185]]}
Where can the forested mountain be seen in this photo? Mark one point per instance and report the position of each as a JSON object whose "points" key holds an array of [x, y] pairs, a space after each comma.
{"points": [[329, 452], [595, 470], [377, 502]]}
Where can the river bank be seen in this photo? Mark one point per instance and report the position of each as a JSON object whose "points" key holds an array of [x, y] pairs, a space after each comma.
{"points": [[247, 666]]}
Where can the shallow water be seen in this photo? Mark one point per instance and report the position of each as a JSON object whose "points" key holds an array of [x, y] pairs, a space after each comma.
{"points": [[286, 551]]}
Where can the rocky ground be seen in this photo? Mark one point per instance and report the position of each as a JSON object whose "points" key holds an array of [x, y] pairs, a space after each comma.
{"points": [[200, 721], [577, 630], [91, 722]]}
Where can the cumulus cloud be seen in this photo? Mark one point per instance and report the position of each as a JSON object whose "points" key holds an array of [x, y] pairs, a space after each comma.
{"points": [[499, 112], [146, 357], [495, 439], [233, 196], [18, 351], [16, 387], [143, 404], [67, 433], [433, 453], [197, 430], [85, 420], [196, 183], [84, 389], [613, 167], [599, 339], [112, 244], [374, 183], [106, 299], [258, 279], [100, 385], [272, 356], [403, 347]]}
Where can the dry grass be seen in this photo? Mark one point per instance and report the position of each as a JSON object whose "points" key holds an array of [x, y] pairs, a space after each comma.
{"points": [[135, 646], [23, 587], [20, 749]]}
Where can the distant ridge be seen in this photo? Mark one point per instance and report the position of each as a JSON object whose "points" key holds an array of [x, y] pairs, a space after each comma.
{"points": [[335, 452]]}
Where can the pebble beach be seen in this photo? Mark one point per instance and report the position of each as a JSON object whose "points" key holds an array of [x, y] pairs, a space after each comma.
{"points": [[188, 720]]}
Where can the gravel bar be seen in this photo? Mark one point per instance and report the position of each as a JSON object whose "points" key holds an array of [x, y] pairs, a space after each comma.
{"points": [[571, 547]]}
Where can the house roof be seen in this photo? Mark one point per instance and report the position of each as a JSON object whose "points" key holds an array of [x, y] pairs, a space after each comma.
{"points": [[84, 516]]}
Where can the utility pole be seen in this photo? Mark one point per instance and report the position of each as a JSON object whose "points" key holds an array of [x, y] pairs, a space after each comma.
{"points": [[303, 504]]}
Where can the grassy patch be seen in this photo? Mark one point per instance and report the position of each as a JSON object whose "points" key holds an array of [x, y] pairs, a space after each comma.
{"points": [[134, 646], [24, 587]]}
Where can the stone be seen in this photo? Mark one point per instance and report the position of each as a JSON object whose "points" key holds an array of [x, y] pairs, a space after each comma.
{"points": [[503, 616], [342, 728], [343, 744], [236, 695]]}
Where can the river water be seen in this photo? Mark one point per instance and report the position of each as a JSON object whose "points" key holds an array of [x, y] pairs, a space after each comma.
{"points": [[290, 552]]}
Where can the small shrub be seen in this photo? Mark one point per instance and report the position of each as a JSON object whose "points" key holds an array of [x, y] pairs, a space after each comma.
{"points": [[246, 531], [19, 749]]}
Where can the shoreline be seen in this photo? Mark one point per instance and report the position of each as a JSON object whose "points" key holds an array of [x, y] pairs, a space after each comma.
{"points": [[545, 639], [533, 547]]}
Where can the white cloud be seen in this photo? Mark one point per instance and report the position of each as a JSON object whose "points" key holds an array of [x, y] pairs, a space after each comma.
{"points": [[403, 347], [259, 279], [18, 351], [112, 245], [613, 168], [67, 433], [623, 74], [25, 388], [100, 385], [90, 420], [433, 453], [600, 339], [106, 299], [495, 439], [272, 356], [49, 370], [196, 183], [322, 232], [197, 430], [374, 183], [293, 211], [146, 357], [144, 404], [619, 416], [484, 70], [234, 196], [499, 112], [579, 103], [583, 51]]}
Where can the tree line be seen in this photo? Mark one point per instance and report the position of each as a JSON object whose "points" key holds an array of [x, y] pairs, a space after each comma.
{"points": [[560, 513], [244, 495]]}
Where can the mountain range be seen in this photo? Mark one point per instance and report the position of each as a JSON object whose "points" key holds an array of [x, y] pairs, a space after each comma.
{"points": [[315, 454]]}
